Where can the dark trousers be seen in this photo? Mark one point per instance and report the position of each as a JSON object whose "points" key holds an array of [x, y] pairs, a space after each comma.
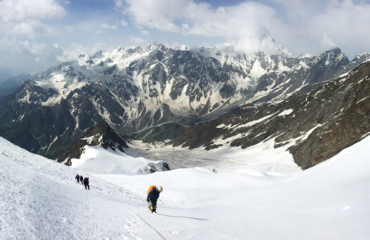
{"points": [[152, 205], [87, 186], [78, 180]]}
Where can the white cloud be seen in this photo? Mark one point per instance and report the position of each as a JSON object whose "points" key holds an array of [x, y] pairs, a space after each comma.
{"points": [[344, 23], [25, 17], [137, 40], [159, 14], [324, 24], [185, 26], [14, 46], [241, 25], [33, 48], [25, 10], [30, 28], [123, 22], [297, 24], [69, 28], [327, 41], [107, 26], [71, 52], [118, 4], [144, 32]]}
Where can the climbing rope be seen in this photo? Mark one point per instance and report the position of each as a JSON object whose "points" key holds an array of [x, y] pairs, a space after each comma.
{"points": [[143, 220]]}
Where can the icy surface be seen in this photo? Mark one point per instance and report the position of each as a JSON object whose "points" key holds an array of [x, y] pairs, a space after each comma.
{"points": [[39, 199]]}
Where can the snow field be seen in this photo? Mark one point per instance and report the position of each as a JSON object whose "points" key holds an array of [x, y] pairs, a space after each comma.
{"points": [[106, 161], [329, 201], [39, 199]]}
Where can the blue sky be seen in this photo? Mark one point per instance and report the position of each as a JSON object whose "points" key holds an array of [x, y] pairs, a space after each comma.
{"points": [[37, 34]]}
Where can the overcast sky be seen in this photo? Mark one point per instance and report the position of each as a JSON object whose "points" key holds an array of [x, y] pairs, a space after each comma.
{"points": [[37, 34]]}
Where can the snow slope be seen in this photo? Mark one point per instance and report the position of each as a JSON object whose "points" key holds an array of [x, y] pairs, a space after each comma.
{"points": [[40, 200], [107, 161]]}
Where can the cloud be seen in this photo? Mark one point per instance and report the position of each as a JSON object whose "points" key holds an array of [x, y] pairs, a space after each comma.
{"points": [[344, 23], [107, 26], [25, 10], [158, 14], [137, 40], [71, 52], [26, 47], [241, 25], [24, 17], [118, 4], [33, 48], [144, 31], [324, 24], [123, 22], [69, 28], [297, 24], [327, 41]]}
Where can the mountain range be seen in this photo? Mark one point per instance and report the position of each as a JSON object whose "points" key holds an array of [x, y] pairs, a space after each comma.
{"points": [[141, 91]]}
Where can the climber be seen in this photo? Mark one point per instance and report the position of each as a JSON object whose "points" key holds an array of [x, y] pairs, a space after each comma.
{"points": [[86, 183], [152, 197], [77, 178]]}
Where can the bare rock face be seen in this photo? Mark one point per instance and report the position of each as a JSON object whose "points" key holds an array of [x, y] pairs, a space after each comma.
{"points": [[317, 125], [348, 124]]}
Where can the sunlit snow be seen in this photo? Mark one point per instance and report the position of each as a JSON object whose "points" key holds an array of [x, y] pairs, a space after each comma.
{"points": [[39, 199]]}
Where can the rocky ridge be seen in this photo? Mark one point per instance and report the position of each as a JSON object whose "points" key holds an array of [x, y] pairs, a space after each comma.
{"points": [[314, 126], [100, 134], [103, 135], [137, 88]]}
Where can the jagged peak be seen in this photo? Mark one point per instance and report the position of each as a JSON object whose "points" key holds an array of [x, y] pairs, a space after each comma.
{"points": [[335, 50]]}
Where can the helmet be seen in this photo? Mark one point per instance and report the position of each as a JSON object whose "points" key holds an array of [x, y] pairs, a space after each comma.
{"points": [[160, 189]]}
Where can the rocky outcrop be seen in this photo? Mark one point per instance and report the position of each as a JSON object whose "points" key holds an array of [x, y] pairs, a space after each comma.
{"points": [[100, 134], [157, 167], [316, 125]]}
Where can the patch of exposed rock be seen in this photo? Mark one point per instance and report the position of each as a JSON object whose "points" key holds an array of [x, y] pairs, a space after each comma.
{"points": [[100, 134], [317, 125]]}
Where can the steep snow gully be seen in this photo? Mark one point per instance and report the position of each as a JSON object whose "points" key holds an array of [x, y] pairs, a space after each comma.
{"points": [[39, 199]]}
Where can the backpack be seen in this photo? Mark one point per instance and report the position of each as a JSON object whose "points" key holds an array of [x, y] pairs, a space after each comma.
{"points": [[150, 189]]}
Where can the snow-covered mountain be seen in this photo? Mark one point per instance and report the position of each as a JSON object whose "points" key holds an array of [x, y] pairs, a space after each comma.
{"points": [[313, 126], [136, 88]]}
